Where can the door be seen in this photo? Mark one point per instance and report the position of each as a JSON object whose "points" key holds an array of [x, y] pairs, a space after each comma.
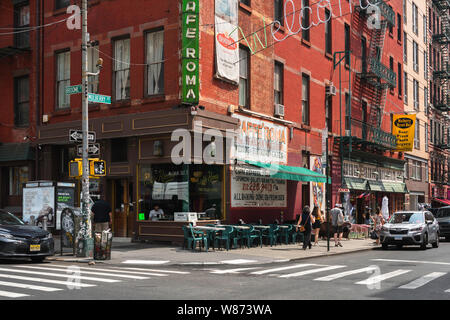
{"points": [[119, 189]]}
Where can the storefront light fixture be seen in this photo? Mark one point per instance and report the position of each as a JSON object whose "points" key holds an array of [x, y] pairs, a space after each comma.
{"points": [[213, 149], [158, 148]]}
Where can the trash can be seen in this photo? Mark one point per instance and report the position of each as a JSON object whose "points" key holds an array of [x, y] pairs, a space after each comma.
{"points": [[102, 245]]}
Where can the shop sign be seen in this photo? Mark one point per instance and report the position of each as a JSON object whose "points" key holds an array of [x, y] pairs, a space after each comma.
{"points": [[403, 128], [259, 140], [190, 51], [371, 172], [255, 188], [227, 42]]}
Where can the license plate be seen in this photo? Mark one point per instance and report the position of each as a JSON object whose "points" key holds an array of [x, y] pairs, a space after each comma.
{"points": [[35, 247], [398, 238]]}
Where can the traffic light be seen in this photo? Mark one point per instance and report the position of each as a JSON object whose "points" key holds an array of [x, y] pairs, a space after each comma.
{"points": [[76, 168], [97, 167]]}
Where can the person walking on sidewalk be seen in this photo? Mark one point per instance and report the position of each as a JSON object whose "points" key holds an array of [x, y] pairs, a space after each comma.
{"points": [[317, 214], [337, 222], [308, 219], [378, 221], [102, 215]]}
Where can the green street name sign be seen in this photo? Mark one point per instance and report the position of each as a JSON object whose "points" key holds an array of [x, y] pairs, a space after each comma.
{"points": [[74, 89], [98, 98], [190, 51]]}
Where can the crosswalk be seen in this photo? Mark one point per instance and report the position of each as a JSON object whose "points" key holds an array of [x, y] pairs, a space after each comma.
{"points": [[371, 276], [21, 281]]}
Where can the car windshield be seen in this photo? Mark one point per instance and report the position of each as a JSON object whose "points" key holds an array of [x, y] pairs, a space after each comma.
{"points": [[7, 218], [443, 213], [407, 217]]}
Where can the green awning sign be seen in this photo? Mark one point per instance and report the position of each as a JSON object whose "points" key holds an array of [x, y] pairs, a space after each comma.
{"points": [[190, 52]]}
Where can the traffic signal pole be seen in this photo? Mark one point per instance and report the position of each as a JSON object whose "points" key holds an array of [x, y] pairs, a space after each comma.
{"points": [[85, 244]]}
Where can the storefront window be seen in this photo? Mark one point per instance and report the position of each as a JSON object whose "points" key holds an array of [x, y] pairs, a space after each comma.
{"points": [[180, 188], [17, 176]]}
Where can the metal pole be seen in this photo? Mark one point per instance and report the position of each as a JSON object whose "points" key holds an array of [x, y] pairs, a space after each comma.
{"points": [[327, 196], [84, 251]]}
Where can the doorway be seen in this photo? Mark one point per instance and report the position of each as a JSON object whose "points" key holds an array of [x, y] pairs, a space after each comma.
{"points": [[120, 193]]}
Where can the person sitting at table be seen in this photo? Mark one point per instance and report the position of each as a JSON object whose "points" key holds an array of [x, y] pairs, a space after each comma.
{"points": [[211, 212], [156, 213]]}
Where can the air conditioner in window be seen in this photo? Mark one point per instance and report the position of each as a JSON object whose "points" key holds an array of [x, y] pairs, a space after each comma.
{"points": [[330, 90], [278, 110]]}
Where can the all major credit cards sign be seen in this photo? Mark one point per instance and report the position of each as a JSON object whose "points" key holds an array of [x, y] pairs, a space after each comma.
{"points": [[190, 52]]}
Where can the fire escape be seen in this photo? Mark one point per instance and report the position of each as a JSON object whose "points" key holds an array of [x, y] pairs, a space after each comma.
{"points": [[373, 82]]}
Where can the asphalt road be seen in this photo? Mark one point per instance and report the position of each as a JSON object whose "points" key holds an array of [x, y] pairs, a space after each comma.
{"points": [[407, 273]]}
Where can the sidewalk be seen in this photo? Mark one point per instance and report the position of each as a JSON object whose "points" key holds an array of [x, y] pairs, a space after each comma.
{"points": [[126, 252]]}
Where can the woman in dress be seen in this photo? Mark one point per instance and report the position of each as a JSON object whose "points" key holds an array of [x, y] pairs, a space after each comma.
{"points": [[378, 221], [317, 214], [306, 220]]}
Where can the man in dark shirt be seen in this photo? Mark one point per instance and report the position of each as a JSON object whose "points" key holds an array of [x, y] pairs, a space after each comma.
{"points": [[102, 215]]}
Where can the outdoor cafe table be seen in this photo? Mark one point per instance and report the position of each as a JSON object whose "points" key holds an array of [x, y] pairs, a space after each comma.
{"points": [[208, 228], [283, 226], [236, 227], [261, 227]]}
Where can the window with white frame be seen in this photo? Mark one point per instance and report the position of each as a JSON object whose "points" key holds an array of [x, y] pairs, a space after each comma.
{"points": [[416, 94], [405, 47], [415, 18], [426, 136], [405, 83], [121, 71], [415, 56], [62, 79], [417, 136], [244, 77], [155, 62]]}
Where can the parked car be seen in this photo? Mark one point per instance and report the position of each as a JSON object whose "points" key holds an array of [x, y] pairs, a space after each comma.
{"points": [[18, 240], [443, 217], [410, 228]]}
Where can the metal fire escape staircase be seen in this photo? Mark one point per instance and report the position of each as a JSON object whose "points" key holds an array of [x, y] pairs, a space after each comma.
{"points": [[377, 79], [442, 37]]}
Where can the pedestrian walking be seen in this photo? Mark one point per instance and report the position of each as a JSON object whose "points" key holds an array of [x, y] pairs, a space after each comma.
{"points": [[304, 224], [378, 221], [317, 214], [337, 222], [102, 215]]}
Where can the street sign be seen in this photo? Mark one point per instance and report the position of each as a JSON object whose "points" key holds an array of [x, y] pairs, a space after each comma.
{"points": [[98, 98], [77, 136], [74, 89], [93, 150]]}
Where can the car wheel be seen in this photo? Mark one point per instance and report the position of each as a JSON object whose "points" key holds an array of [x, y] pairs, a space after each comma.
{"points": [[424, 244], [399, 246], [436, 243], [447, 238], [37, 259], [384, 246]]}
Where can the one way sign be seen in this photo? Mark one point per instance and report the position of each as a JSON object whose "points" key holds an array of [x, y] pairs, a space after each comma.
{"points": [[94, 149], [77, 136]]}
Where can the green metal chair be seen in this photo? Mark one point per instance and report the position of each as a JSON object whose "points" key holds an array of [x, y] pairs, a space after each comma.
{"points": [[236, 236], [271, 234], [196, 237], [285, 233], [251, 234], [225, 235], [187, 238]]}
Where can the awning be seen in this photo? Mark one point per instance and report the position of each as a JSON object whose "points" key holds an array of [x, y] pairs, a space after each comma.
{"points": [[290, 173], [443, 201], [355, 183], [384, 186], [16, 152]]}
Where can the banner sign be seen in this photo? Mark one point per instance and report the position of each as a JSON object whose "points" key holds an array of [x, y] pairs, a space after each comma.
{"points": [[255, 188], [404, 128], [37, 204], [190, 52], [317, 188], [226, 38], [259, 140]]}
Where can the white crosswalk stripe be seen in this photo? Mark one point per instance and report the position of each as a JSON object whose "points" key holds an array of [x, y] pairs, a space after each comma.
{"points": [[303, 265], [12, 294], [64, 283], [28, 286], [423, 280], [344, 274], [377, 279], [156, 270], [237, 270], [116, 271], [302, 273]]}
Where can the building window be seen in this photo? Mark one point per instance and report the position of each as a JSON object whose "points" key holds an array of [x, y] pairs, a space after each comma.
{"points": [[278, 83], [17, 177], [405, 47], [347, 113], [246, 2], [399, 77], [21, 22], [305, 99], [93, 81], [121, 70], [425, 31], [278, 14], [406, 88], [399, 27], [119, 150], [244, 84], [328, 32], [305, 20], [417, 135], [416, 94], [62, 79], [415, 19], [391, 66], [425, 65], [425, 98], [59, 4], [155, 62], [426, 136], [329, 112], [415, 56], [21, 101], [347, 43], [405, 15]]}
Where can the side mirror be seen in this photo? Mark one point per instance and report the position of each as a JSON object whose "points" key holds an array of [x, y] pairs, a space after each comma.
{"points": [[429, 222]]}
